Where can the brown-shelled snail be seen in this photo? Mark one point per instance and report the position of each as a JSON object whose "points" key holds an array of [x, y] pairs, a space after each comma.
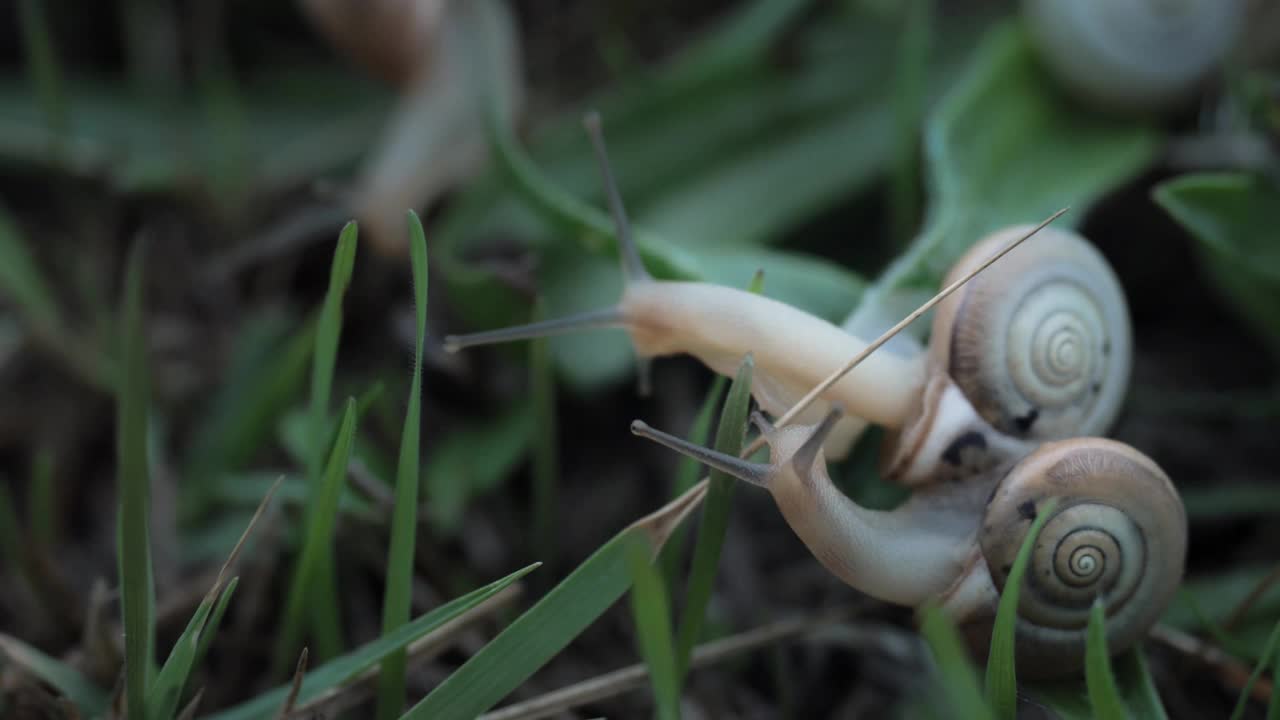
{"points": [[1034, 349], [1134, 55], [1119, 531]]}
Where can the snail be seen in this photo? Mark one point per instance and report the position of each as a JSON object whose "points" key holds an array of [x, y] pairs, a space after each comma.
{"points": [[1118, 531], [1134, 55], [1033, 350]]}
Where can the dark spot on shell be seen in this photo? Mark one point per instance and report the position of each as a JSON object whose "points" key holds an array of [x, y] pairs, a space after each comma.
{"points": [[953, 455], [1027, 510], [1097, 388], [1106, 347], [1024, 422]]}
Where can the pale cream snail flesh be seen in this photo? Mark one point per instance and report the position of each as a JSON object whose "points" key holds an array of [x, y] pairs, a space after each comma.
{"points": [[945, 406], [1119, 531]]}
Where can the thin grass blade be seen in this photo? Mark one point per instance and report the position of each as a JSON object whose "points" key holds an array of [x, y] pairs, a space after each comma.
{"points": [[1138, 686], [553, 622], [404, 516], [137, 585], [215, 621], [1002, 677], [546, 460], [317, 544], [651, 611], [1104, 694], [960, 688], [1270, 650], [89, 698], [687, 473], [730, 435], [1273, 705], [342, 669]]}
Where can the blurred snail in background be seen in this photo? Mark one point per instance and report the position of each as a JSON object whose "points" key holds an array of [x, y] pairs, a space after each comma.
{"points": [[1036, 348], [1134, 55], [1119, 531]]}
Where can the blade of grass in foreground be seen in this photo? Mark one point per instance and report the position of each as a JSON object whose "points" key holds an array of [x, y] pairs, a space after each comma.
{"points": [[324, 603], [553, 622], [1002, 677], [687, 473], [715, 518], [90, 699], [960, 688], [317, 543], [1268, 651], [340, 670], [137, 585], [651, 611], [1104, 695], [404, 517]]}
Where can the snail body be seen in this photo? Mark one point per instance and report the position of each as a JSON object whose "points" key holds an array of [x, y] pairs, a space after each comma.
{"points": [[1118, 531], [949, 409], [1133, 55]]}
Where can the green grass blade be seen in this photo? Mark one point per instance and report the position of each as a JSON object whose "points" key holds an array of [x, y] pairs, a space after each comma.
{"points": [[137, 585], [317, 543], [546, 442], [404, 517], [89, 698], [340, 670], [1273, 705], [42, 63], [960, 688], [162, 702], [215, 621], [911, 86], [1002, 678], [553, 622], [715, 517], [1243, 702], [21, 280], [1138, 686], [1104, 694], [651, 611], [687, 473]]}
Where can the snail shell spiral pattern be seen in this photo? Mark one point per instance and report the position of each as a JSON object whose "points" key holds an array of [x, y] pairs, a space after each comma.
{"points": [[1042, 349], [1119, 532]]}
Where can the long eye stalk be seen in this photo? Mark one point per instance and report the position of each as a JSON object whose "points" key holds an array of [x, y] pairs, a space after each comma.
{"points": [[754, 473]]}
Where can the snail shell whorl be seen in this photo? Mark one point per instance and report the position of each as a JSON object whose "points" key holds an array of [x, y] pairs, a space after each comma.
{"points": [[1133, 54], [1041, 345], [1119, 531]]}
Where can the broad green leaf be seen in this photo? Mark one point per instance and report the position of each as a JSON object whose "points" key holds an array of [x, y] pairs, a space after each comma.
{"points": [[317, 544], [1268, 652], [472, 459], [1231, 500], [404, 516], [87, 697], [960, 689], [651, 611], [137, 585], [1104, 695], [1233, 217], [730, 436], [554, 621], [341, 670], [1002, 677], [1006, 147]]}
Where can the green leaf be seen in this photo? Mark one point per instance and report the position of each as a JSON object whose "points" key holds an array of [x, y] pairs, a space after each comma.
{"points": [[404, 517], [1233, 217], [137, 585], [715, 518], [651, 611], [1006, 147], [341, 670], [1104, 695], [960, 690], [1002, 677], [687, 472], [215, 621], [21, 281], [1267, 654], [317, 544], [1138, 686], [472, 459], [553, 622], [89, 698]]}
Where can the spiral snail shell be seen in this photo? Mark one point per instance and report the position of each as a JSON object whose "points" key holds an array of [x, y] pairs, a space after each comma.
{"points": [[1039, 351], [1133, 55]]}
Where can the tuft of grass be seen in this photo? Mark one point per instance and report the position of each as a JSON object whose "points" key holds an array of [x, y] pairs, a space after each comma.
{"points": [[651, 611], [324, 605], [346, 668], [404, 517], [1002, 677], [1267, 653], [553, 622], [137, 584], [1100, 680], [960, 688], [317, 544], [715, 517]]}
